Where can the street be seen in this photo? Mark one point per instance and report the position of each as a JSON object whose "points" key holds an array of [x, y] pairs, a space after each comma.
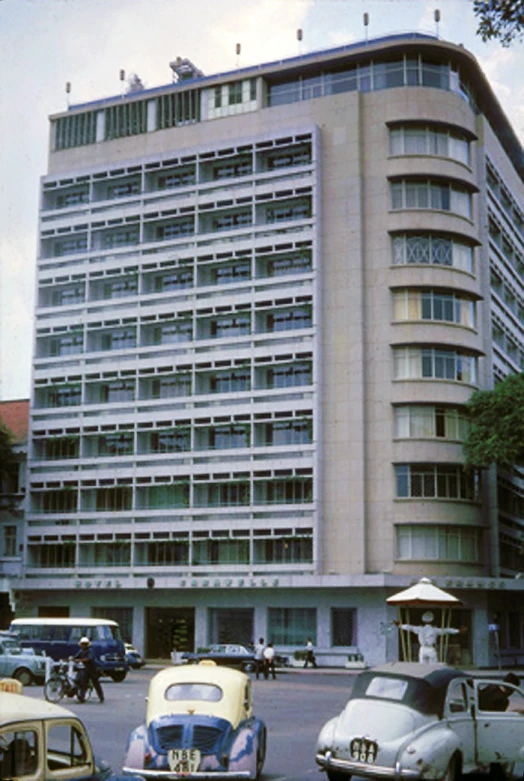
{"points": [[294, 708]]}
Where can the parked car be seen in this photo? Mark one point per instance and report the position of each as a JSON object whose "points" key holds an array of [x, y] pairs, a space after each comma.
{"points": [[421, 721], [228, 654], [232, 655], [43, 742], [199, 722], [133, 657], [23, 664]]}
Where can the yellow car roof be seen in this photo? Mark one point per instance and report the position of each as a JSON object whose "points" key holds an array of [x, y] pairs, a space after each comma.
{"points": [[233, 684], [17, 707]]}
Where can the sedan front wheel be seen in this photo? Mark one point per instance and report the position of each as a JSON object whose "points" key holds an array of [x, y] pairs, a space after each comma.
{"points": [[452, 771]]}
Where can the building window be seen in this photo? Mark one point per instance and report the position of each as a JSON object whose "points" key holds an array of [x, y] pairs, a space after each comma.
{"points": [[169, 553], [59, 447], [120, 288], [106, 554], [432, 363], [179, 108], [227, 437], [115, 444], [63, 500], [433, 305], [64, 396], [125, 119], [428, 422], [115, 498], [170, 387], [52, 555], [75, 130], [232, 272], [123, 189], [290, 376], [217, 97], [290, 491], [171, 440], [427, 140], [231, 494], [69, 344], [158, 497], [67, 295], [285, 432], [435, 481], [235, 93], [283, 550], [119, 390], [343, 626], [9, 546], [439, 543], [423, 249], [230, 221], [171, 333], [431, 194], [231, 381], [175, 280], [119, 339], [292, 625], [220, 552], [289, 319], [226, 327]]}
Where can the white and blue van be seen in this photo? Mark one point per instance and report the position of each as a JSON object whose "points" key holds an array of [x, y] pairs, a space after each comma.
{"points": [[58, 638]]}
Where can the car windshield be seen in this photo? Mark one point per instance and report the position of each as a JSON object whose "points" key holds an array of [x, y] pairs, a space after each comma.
{"points": [[10, 646], [206, 692]]}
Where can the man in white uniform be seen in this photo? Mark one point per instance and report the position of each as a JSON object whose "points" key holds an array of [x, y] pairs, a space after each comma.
{"points": [[427, 637]]}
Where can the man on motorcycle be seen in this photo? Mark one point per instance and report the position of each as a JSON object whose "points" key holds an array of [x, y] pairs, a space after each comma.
{"points": [[90, 673]]}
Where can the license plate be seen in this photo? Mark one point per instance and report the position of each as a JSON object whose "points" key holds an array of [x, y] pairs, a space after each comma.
{"points": [[183, 760], [363, 750]]}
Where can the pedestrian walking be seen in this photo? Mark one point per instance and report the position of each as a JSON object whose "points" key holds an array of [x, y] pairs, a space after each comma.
{"points": [[86, 655], [310, 655], [269, 661], [259, 656]]}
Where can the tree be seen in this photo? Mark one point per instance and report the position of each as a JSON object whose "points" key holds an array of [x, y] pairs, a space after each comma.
{"points": [[500, 19], [496, 434]]}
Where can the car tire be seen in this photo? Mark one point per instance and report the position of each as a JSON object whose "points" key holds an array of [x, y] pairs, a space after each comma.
{"points": [[336, 775], [452, 771], [248, 667], [118, 676], [23, 675], [261, 755]]}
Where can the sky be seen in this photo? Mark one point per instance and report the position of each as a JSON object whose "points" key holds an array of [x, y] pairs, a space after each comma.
{"points": [[46, 43]]}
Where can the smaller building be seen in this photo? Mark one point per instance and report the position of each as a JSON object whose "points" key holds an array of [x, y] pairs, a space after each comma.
{"points": [[14, 416]]}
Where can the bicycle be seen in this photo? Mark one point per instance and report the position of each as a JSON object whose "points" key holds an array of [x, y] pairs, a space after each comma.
{"points": [[64, 681]]}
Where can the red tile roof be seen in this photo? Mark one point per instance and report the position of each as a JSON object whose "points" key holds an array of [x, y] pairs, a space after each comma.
{"points": [[15, 415]]}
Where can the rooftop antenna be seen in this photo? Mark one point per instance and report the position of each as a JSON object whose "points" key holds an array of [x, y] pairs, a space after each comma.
{"points": [[238, 49], [299, 39], [366, 24], [68, 91], [437, 19], [122, 79]]}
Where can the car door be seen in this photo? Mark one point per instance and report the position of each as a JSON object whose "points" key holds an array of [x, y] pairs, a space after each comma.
{"points": [[500, 734], [458, 714]]}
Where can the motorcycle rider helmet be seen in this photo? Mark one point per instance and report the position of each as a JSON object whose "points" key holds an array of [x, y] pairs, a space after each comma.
{"points": [[84, 641]]}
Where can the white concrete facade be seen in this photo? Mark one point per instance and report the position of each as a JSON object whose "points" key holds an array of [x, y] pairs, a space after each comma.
{"points": [[263, 301]]}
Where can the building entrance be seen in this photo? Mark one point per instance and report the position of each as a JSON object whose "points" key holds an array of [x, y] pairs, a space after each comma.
{"points": [[231, 625], [167, 629]]}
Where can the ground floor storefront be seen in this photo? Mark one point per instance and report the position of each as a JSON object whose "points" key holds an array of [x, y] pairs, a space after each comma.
{"points": [[347, 619]]}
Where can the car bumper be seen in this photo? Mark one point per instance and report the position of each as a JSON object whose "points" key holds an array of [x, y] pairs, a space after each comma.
{"points": [[328, 762], [167, 774]]}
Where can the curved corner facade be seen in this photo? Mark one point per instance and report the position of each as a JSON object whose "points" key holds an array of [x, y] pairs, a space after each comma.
{"points": [[264, 299]]}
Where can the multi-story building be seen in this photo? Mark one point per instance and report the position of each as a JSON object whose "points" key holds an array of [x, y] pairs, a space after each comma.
{"points": [[264, 299]]}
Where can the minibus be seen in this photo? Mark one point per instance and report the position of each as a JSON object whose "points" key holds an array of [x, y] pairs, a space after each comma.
{"points": [[58, 638]]}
